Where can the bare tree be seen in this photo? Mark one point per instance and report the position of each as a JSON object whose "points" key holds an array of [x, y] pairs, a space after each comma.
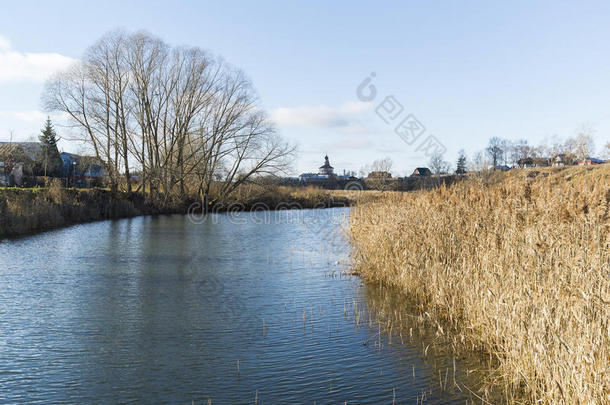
{"points": [[109, 76], [364, 170], [72, 93], [520, 151], [438, 164], [94, 95], [180, 117], [606, 151], [584, 145], [382, 165], [480, 161], [495, 151]]}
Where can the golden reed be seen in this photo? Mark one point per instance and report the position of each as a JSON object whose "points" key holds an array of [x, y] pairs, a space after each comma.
{"points": [[516, 266]]}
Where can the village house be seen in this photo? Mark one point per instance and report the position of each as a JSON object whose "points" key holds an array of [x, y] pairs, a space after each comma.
{"points": [[563, 159], [18, 160], [22, 161], [83, 171], [421, 172], [306, 177], [591, 161], [534, 162]]}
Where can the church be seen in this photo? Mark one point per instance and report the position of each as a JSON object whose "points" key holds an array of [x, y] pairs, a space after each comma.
{"points": [[325, 173], [326, 169]]}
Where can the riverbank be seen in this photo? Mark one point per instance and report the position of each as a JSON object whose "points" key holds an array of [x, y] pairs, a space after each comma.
{"points": [[514, 266], [27, 211]]}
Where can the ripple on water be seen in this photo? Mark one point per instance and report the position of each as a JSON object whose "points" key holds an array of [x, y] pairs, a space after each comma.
{"points": [[157, 309]]}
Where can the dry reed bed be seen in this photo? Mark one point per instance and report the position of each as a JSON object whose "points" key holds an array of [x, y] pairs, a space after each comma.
{"points": [[519, 269], [24, 211]]}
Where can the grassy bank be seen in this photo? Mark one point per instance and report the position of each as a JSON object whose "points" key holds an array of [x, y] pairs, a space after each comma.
{"points": [[252, 196], [516, 266], [25, 211]]}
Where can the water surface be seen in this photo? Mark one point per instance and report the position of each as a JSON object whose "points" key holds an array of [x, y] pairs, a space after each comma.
{"points": [[232, 309]]}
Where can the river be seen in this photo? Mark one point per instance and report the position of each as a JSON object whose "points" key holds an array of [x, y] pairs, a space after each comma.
{"points": [[228, 308]]}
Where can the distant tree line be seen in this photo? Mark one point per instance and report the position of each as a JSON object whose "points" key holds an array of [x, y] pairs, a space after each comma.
{"points": [[185, 121], [519, 153], [513, 153]]}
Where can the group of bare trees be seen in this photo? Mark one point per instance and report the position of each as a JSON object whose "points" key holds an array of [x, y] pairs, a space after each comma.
{"points": [[183, 120], [569, 151], [500, 152]]}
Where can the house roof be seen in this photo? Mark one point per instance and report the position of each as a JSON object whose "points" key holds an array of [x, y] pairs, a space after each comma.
{"points": [[422, 170], [20, 150], [70, 155], [80, 158]]}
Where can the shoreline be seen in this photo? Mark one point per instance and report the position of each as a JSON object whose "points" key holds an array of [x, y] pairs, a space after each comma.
{"points": [[27, 212]]}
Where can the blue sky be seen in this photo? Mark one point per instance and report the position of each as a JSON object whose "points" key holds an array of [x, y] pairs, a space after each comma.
{"points": [[468, 70]]}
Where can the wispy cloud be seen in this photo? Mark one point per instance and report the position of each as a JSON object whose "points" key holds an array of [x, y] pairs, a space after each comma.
{"points": [[344, 116], [19, 66]]}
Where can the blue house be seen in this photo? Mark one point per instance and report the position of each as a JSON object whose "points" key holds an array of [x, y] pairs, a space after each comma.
{"points": [[83, 169]]}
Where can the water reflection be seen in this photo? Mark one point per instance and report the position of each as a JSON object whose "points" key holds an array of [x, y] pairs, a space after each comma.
{"points": [[162, 310]]}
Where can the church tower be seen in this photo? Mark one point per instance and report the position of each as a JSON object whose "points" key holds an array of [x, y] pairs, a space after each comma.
{"points": [[326, 169]]}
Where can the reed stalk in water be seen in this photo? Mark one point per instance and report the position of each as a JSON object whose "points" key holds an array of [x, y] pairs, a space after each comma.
{"points": [[517, 267]]}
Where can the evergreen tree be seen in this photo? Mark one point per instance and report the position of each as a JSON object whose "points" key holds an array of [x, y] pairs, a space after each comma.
{"points": [[461, 163], [51, 162]]}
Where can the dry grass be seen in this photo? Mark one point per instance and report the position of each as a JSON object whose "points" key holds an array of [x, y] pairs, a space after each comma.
{"points": [[253, 196], [519, 269], [24, 211]]}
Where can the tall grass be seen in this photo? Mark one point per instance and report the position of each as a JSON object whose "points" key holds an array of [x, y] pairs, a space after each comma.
{"points": [[24, 211], [517, 268], [249, 196]]}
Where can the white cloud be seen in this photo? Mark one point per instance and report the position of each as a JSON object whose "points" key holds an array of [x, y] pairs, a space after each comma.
{"points": [[321, 116], [19, 66]]}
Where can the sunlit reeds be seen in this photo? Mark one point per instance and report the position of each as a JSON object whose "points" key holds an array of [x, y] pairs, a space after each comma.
{"points": [[517, 268]]}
